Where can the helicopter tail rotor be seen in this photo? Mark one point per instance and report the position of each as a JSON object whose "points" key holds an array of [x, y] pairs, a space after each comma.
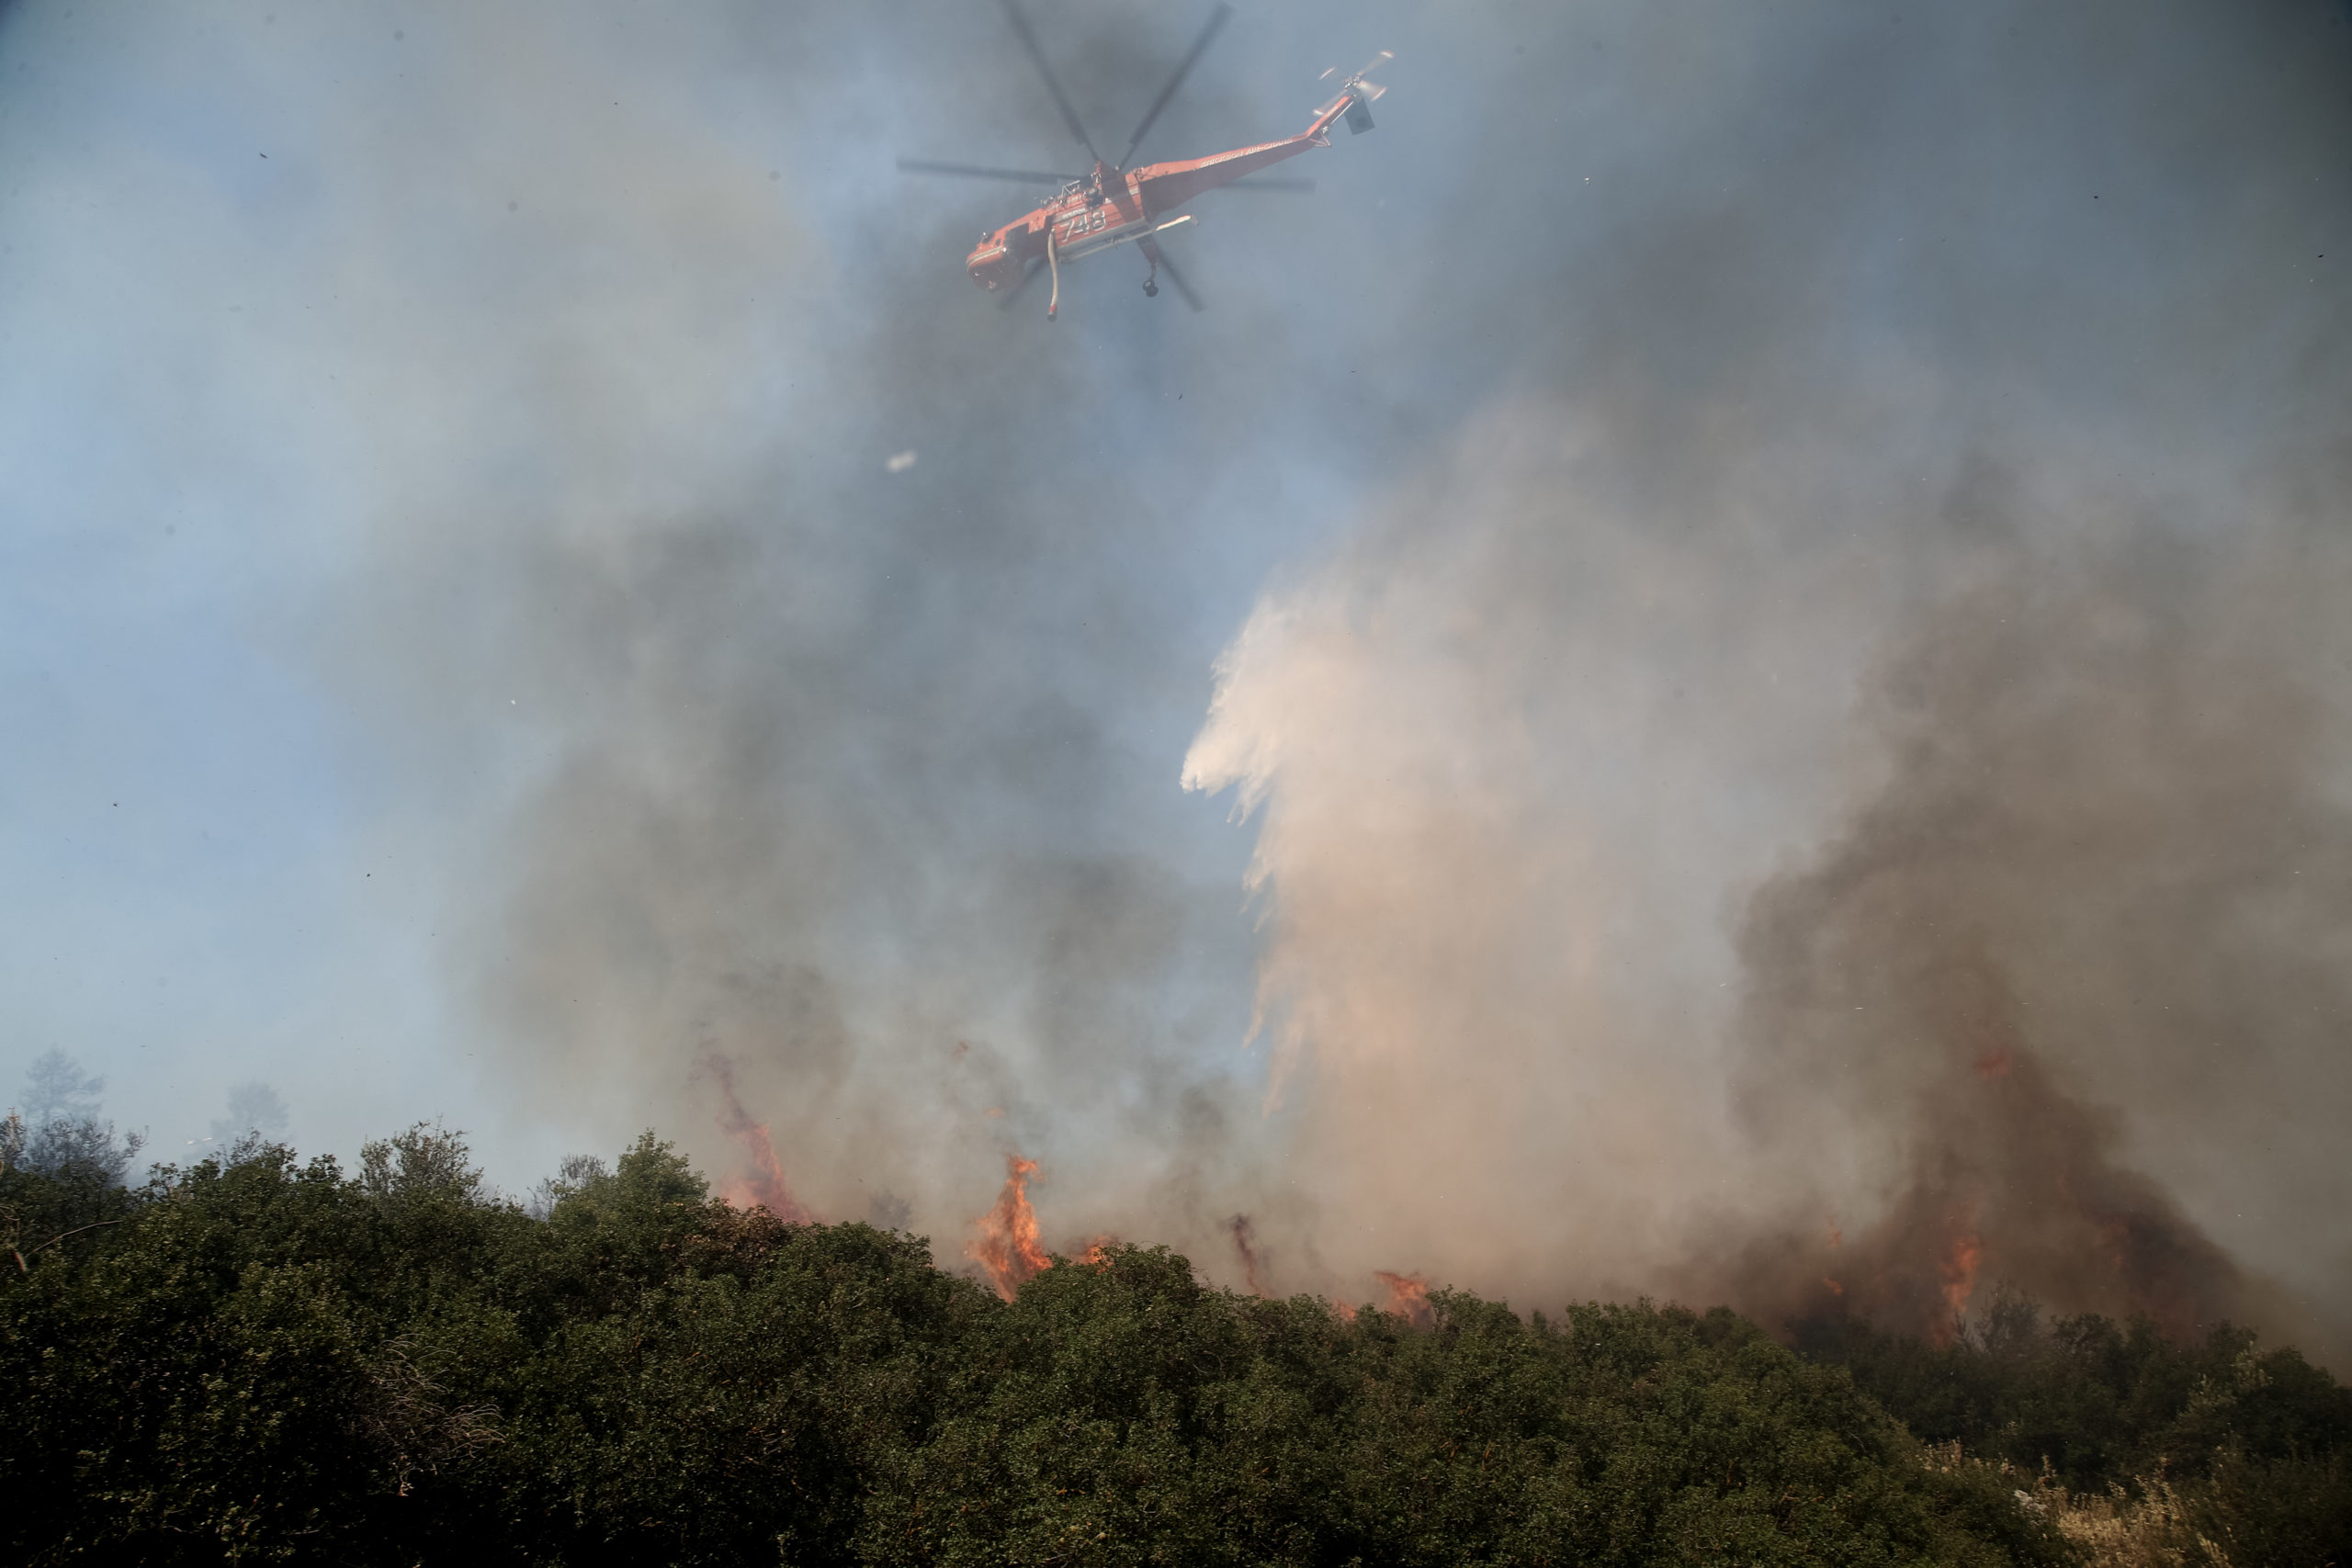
{"points": [[1356, 77], [1362, 94]]}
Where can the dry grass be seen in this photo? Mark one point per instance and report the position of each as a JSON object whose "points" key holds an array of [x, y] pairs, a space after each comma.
{"points": [[2116, 1530], [2156, 1527]]}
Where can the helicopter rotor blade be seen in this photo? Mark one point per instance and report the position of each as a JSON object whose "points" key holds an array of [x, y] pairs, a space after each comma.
{"points": [[974, 171], [1176, 278], [1374, 63], [1217, 20], [1037, 57]]}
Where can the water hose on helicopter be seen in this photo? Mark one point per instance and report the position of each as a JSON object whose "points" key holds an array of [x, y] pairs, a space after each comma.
{"points": [[1052, 265]]}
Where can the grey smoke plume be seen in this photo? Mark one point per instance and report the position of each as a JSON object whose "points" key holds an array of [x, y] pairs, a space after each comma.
{"points": [[2105, 898], [1741, 509], [2076, 947], [1758, 828]]}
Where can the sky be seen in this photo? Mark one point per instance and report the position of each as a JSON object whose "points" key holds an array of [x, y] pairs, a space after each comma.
{"points": [[1726, 644]]}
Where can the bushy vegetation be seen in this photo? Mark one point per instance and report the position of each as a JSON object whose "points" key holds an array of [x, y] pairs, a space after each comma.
{"points": [[2217, 1441], [254, 1359]]}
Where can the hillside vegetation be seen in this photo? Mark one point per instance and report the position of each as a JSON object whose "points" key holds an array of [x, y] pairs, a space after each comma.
{"points": [[256, 1359]]}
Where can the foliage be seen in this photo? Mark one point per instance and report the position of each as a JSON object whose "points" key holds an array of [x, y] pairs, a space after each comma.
{"points": [[256, 1359], [2147, 1445]]}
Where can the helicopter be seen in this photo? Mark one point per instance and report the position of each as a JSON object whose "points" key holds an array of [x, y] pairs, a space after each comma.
{"points": [[1116, 205]]}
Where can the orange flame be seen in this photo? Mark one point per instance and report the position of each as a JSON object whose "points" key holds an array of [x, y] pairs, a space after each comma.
{"points": [[1098, 1250], [1958, 1273], [1345, 1313], [1245, 1244], [1007, 1244], [1408, 1297], [764, 1184]]}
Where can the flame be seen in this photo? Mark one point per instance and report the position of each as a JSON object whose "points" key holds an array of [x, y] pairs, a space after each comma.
{"points": [[1244, 1245], [764, 1185], [1007, 1244], [1408, 1297], [1345, 1313], [1958, 1271], [2011, 1175], [1098, 1250]]}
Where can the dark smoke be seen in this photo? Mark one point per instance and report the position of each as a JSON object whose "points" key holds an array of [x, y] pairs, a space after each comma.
{"points": [[1245, 1250], [2111, 868]]}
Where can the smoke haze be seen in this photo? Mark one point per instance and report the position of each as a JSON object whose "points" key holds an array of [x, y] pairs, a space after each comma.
{"points": [[1767, 590]]}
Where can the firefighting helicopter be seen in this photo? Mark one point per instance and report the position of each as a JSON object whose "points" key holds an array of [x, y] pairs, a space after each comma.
{"points": [[1117, 205]]}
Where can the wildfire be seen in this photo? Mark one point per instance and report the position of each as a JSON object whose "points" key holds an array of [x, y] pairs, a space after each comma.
{"points": [[1408, 1297], [1007, 1244], [1245, 1246], [1957, 1272], [764, 1184], [1098, 1250]]}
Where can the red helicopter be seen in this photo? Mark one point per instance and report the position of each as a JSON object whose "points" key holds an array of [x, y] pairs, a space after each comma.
{"points": [[1118, 205]]}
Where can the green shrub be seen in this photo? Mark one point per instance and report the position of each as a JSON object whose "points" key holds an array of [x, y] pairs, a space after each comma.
{"points": [[256, 1359]]}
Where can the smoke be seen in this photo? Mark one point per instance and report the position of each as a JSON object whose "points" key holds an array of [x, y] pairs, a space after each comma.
{"points": [[761, 1180], [1754, 626], [1834, 833], [1244, 1252], [1504, 773], [1766, 581], [2104, 901], [792, 786], [2065, 936], [1816, 724]]}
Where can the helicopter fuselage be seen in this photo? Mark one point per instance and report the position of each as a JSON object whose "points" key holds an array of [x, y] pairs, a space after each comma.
{"points": [[1124, 206]]}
